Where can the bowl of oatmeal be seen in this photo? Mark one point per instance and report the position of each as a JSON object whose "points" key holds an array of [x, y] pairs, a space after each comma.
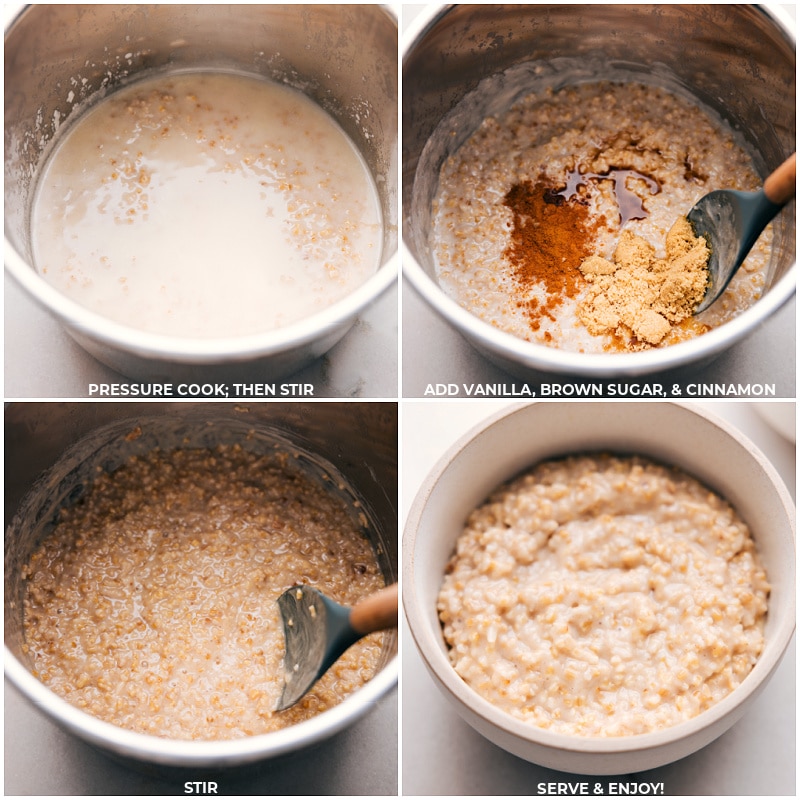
{"points": [[591, 590], [550, 155], [202, 191], [146, 548]]}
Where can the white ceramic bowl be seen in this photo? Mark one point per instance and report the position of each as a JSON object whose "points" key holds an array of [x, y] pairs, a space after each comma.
{"points": [[519, 437]]}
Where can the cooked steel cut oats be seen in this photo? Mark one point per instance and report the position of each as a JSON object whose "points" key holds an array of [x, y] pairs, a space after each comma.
{"points": [[604, 596], [205, 204], [153, 603], [555, 179]]}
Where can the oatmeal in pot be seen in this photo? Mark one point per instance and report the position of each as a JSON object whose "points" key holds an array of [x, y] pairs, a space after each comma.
{"points": [[153, 603], [537, 214], [604, 596], [206, 205]]}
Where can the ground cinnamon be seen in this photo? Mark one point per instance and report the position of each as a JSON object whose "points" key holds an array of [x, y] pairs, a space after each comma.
{"points": [[551, 236]]}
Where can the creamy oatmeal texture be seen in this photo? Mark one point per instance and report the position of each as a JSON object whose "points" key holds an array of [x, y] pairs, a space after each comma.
{"points": [[557, 179], [206, 205], [153, 605], [604, 596]]}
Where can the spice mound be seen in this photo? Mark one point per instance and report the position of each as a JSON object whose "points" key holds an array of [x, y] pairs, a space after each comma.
{"points": [[638, 296], [599, 595], [567, 173], [153, 603], [549, 237]]}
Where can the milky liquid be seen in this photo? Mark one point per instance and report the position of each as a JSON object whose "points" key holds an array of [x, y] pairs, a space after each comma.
{"points": [[206, 205]]}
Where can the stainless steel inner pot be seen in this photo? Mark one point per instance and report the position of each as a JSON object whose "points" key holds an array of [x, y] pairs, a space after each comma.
{"points": [[55, 449], [59, 57], [739, 60]]}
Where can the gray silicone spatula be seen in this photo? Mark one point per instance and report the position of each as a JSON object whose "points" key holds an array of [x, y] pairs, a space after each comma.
{"points": [[731, 221], [318, 630]]}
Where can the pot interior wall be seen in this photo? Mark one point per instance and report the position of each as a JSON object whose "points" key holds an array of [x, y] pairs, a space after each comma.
{"points": [[60, 57], [734, 59], [56, 448]]}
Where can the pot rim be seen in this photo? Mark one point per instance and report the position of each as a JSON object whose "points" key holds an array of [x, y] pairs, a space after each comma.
{"points": [[198, 753], [198, 350], [433, 11], [433, 654], [538, 356]]}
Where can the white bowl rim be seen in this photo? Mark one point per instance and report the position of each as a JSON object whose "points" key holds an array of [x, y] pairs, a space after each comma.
{"points": [[437, 663]]}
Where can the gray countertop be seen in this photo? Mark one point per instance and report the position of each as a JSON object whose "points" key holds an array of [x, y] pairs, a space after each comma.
{"points": [[41, 759], [43, 361], [443, 755]]}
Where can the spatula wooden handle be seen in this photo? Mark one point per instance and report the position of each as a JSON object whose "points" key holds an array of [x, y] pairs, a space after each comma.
{"points": [[376, 612], [779, 187]]}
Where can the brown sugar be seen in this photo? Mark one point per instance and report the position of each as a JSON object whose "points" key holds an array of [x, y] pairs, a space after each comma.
{"points": [[638, 297]]}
